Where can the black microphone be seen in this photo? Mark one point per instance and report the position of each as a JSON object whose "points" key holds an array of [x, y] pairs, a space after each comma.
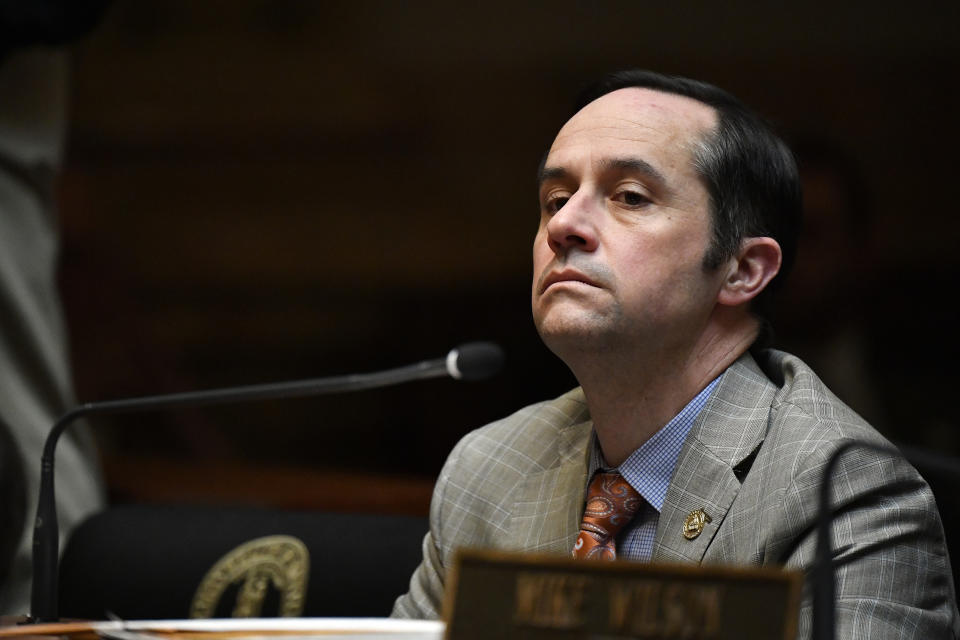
{"points": [[824, 605], [470, 361]]}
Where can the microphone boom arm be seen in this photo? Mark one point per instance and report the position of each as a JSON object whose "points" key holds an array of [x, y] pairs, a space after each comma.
{"points": [[478, 360], [824, 589]]}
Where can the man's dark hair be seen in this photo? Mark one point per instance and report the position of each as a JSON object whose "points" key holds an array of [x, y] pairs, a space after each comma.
{"points": [[748, 170]]}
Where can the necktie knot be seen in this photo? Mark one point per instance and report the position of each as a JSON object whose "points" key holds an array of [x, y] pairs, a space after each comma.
{"points": [[611, 505]]}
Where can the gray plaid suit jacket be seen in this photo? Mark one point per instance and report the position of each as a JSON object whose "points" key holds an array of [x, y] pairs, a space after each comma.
{"points": [[753, 461]]}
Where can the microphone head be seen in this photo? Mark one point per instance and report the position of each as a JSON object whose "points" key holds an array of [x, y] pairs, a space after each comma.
{"points": [[475, 361]]}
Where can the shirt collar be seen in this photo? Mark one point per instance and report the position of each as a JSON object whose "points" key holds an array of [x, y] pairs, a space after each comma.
{"points": [[650, 467]]}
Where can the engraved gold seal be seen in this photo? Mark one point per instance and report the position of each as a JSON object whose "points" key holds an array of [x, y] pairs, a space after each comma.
{"points": [[693, 525], [282, 561]]}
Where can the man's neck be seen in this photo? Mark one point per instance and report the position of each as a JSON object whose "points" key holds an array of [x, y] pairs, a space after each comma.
{"points": [[632, 394]]}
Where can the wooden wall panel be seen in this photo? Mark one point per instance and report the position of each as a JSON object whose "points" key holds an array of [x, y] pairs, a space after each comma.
{"points": [[261, 190]]}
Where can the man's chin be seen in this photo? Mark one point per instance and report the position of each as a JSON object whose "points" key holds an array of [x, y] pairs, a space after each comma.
{"points": [[572, 335], [569, 318]]}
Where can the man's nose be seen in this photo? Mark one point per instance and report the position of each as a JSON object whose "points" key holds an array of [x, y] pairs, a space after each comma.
{"points": [[573, 226]]}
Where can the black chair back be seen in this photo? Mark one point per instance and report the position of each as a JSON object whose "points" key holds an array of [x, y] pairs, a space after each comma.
{"points": [[148, 562]]}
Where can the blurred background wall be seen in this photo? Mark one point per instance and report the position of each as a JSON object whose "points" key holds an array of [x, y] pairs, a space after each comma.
{"points": [[260, 190]]}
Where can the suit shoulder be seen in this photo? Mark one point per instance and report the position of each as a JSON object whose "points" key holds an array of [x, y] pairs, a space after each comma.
{"points": [[474, 497], [805, 410], [526, 439], [808, 424]]}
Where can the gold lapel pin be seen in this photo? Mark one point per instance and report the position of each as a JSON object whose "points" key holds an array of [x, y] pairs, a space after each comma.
{"points": [[693, 525]]}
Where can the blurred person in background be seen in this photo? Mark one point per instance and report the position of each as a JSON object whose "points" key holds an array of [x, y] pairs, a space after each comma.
{"points": [[824, 315], [35, 381]]}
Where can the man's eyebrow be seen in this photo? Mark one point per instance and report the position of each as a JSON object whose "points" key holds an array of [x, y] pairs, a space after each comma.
{"points": [[551, 173], [632, 164], [636, 165]]}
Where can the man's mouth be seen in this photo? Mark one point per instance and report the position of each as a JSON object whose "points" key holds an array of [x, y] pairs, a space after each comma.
{"points": [[565, 275]]}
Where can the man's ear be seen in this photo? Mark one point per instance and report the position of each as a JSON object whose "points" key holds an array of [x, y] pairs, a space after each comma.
{"points": [[750, 271]]}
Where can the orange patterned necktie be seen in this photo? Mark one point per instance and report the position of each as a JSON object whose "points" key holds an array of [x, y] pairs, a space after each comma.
{"points": [[611, 504]]}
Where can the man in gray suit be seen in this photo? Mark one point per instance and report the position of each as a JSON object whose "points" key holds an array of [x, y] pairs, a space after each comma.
{"points": [[667, 210]]}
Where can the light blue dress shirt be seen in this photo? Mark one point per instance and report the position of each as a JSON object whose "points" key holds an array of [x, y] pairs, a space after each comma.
{"points": [[648, 470]]}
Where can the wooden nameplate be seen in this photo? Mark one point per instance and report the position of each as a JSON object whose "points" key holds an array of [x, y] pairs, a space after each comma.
{"points": [[493, 594]]}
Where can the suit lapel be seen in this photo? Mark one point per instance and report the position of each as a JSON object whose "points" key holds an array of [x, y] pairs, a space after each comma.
{"points": [[546, 514], [728, 430]]}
